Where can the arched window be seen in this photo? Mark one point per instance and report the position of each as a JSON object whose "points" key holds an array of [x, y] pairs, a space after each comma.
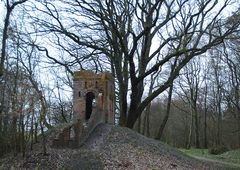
{"points": [[96, 84], [72, 133], [89, 104]]}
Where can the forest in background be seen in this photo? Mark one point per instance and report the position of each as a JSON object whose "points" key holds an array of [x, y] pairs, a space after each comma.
{"points": [[175, 65]]}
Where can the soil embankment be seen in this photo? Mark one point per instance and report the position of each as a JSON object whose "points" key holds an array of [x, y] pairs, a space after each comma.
{"points": [[109, 147]]}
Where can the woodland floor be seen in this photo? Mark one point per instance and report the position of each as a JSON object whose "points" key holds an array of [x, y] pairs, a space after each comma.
{"points": [[229, 159], [109, 147]]}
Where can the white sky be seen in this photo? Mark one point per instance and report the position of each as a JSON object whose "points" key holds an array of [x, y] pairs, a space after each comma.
{"points": [[1, 13]]}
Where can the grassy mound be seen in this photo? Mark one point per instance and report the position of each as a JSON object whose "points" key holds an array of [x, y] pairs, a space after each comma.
{"points": [[111, 147]]}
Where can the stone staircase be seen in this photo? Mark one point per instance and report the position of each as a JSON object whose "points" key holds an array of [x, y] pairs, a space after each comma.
{"points": [[75, 134]]}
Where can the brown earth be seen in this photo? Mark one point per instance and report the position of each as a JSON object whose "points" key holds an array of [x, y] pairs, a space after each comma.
{"points": [[108, 147]]}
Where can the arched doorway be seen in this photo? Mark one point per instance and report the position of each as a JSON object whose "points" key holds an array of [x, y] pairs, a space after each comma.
{"points": [[89, 105]]}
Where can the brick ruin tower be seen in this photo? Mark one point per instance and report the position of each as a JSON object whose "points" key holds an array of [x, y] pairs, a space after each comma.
{"points": [[93, 94], [93, 103]]}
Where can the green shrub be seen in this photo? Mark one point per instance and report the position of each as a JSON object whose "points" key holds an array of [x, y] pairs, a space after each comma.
{"points": [[217, 149]]}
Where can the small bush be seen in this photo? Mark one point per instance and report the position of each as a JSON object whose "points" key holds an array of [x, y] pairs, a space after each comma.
{"points": [[217, 149]]}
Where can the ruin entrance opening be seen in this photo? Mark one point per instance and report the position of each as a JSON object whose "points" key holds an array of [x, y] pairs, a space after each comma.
{"points": [[90, 97]]}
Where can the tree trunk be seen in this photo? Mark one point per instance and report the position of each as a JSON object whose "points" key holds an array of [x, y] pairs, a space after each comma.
{"points": [[238, 128], [146, 130], [22, 136], [31, 133], [35, 132], [4, 40], [165, 119], [1, 110], [132, 116], [134, 113], [44, 141], [237, 97], [219, 125], [2, 104], [148, 108], [123, 109], [0, 121], [205, 129], [196, 127], [136, 96], [14, 135], [190, 132], [5, 32], [205, 119], [32, 126]]}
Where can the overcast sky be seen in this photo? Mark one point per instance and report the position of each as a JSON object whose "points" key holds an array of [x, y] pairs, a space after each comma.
{"points": [[1, 13]]}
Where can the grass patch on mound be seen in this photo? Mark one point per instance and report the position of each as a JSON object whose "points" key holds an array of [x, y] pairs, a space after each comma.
{"points": [[229, 159]]}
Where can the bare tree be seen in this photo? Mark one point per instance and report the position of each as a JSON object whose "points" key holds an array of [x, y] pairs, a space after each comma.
{"points": [[10, 5], [146, 122], [233, 94], [217, 92], [205, 107], [131, 34], [169, 100], [29, 67], [166, 116], [190, 83]]}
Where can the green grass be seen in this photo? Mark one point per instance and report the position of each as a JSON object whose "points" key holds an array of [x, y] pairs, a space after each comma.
{"points": [[229, 159]]}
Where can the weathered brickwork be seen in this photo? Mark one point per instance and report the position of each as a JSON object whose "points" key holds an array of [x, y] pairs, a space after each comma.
{"points": [[93, 103], [101, 86]]}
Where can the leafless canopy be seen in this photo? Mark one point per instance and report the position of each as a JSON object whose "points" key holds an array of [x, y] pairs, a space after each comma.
{"points": [[135, 38]]}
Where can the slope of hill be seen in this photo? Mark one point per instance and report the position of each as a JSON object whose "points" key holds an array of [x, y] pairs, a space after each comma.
{"points": [[108, 147]]}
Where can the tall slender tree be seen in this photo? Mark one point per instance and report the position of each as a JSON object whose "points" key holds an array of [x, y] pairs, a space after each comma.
{"points": [[10, 5]]}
